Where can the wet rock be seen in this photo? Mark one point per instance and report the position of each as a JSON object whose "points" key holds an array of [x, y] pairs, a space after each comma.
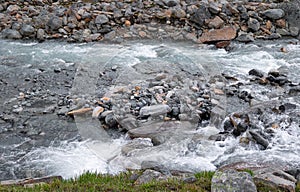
{"points": [[274, 13], [224, 34], [256, 73], [259, 139], [11, 34], [253, 24], [148, 176], [275, 178], [154, 110], [231, 180]]}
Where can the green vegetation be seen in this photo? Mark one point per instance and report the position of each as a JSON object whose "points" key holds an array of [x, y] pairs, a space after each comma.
{"points": [[121, 182]]}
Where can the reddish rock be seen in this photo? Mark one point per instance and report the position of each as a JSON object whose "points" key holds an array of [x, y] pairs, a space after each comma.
{"points": [[225, 34], [216, 22], [222, 44]]}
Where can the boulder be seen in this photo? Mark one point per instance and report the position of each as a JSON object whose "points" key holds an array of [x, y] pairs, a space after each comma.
{"points": [[148, 176], [154, 110], [11, 34], [27, 30], [232, 180], [224, 34], [201, 14], [274, 13], [245, 38], [54, 23], [101, 19], [216, 23], [171, 3], [275, 178], [40, 34], [253, 24]]}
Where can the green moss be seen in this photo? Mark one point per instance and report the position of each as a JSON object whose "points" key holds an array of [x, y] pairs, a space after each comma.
{"points": [[298, 187]]}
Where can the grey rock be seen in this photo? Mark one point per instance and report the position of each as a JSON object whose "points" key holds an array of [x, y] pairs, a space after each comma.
{"points": [[214, 8], [274, 13], [232, 180], [273, 36], [110, 36], [40, 34], [11, 34], [200, 15], [259, 139], [253, 24], [129, 123], [292, 12], [13, 8], [154, 110], [27, 30], [245, 38], [275, 178], [148, 176], [294, 31], [256, 72], [101, 19], [54, 23], [282, 32], [156, 166]]}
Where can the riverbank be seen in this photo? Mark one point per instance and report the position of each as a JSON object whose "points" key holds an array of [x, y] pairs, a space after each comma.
{"points": [[216, 22], [130, 181]]}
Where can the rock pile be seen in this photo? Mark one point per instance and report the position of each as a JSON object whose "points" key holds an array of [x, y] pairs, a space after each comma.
{"points": [[199, 21]]}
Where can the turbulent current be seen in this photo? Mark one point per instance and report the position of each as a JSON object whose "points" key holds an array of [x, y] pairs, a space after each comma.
{"points": [[190, 148]]}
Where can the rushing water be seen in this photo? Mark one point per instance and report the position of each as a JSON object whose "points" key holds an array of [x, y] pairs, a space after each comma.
{"points": [[71, 158]]}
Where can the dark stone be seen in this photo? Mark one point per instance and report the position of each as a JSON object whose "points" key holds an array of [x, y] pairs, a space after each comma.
{"points": [[256, 73], [148, 176], [201, 14], [259, 139], [171, 3]]}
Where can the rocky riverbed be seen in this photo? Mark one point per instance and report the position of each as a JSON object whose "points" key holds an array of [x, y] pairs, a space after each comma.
{"points": [[198, 21], [148, 105]]}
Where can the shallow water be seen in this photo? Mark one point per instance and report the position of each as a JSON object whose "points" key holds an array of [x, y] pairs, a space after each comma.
{"points": [[186, 150]]}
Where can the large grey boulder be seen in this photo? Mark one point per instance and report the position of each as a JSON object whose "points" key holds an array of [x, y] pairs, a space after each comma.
{"points": [[274, 13], [11, 34], [275, 178], [232, 181]]}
